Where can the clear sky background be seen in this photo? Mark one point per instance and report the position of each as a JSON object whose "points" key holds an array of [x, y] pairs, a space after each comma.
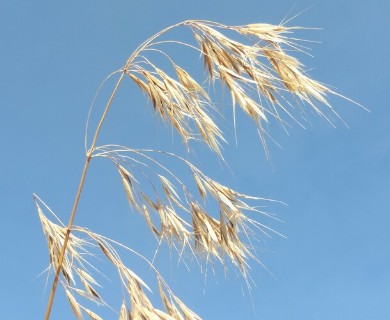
{"points": [[335, 261]]}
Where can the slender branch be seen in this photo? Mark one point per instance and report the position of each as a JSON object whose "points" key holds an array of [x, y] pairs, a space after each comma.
{"points": [[78, 194], [146, 43], [105, 113], [87, 161]]}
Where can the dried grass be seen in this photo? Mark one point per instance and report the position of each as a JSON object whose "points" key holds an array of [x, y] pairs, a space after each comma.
{"points": [[258, 64], [255, 66], [79, 283]]}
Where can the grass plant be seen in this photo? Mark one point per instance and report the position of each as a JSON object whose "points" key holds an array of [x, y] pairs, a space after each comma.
{"points": [[255, 65]]}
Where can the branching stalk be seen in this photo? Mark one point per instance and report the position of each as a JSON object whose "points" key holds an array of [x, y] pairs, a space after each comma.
{"points": [[86, 165], [77, 199]]}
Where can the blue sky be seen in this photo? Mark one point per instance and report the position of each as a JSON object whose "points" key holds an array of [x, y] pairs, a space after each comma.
{"points": [[335, 261]]}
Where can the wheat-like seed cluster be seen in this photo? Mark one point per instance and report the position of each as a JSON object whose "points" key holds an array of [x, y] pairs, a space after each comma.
{"points": [[184, 220], [256, 68], [242, 68], [79, 283]]}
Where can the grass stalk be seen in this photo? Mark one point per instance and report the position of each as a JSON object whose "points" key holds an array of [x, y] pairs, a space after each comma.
{"points": [[77, 198]]}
